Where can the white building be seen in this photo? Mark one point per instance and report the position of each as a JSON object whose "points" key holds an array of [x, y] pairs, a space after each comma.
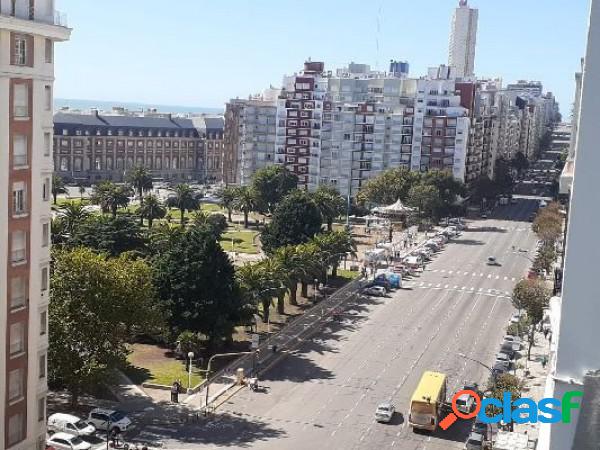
{"points": [[576, 339], [463, 37], [566, 177], [28, 31]]}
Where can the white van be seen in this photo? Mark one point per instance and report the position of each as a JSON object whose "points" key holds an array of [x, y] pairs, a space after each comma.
{"points": [[69, 424]]}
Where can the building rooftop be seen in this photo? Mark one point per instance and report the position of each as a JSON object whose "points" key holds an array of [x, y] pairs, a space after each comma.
{"points": [[97, 120]]}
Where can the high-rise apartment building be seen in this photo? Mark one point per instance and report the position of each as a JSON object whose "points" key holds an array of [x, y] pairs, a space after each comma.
{"points": [[574, 357], [28, 31], [463, 39]]}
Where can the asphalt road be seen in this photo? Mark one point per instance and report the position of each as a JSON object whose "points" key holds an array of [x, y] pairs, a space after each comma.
{"points": [[324, 395]]}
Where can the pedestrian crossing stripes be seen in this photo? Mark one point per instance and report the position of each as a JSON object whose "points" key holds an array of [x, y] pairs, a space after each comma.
{"points": [[473, 289], [473, 274]]}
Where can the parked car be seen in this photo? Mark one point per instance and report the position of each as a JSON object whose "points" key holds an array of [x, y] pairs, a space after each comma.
{"points": [[513, 339], [500, 367], [384, 412], [480, 428], [465, 403], [375, 291], [70, 424], [109, 419], [64, 441], [503, 357], [474, 441]]}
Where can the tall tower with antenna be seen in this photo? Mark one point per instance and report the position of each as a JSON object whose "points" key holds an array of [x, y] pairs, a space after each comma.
{"points": [[463, 39]]}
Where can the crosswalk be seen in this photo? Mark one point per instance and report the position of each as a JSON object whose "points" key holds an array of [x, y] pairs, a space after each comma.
{"points": [[455, 287], [472, 274]]}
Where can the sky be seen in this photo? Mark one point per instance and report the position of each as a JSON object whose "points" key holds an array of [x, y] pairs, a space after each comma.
{"points": [[204, 52]]}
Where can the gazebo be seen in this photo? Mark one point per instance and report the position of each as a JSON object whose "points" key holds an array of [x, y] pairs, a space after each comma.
{"points": [[397, 209]]}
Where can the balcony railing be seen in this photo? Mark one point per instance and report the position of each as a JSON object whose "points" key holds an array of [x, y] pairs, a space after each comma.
{"points": [[18, 256], [55, 18]]}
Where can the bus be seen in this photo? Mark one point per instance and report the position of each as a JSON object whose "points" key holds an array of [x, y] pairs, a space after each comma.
{"points": [[427, 400]]}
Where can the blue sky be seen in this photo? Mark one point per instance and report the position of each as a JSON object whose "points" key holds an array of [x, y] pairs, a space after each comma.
{"points": [[203, 52]]}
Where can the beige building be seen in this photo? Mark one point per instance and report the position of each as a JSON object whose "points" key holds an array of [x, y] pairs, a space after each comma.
{"points": [[28, 31]]}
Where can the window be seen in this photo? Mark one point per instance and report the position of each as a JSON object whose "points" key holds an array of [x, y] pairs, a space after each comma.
{"points": [[19, 150], [16, 429], [48, 97], [64, 164], [20, 54], [19, 198], [77, 164], [45, 279], [49, 54], [43, 323], [41, 409], [47, 144], [20, 100], [18, 247], [46, 190], [17, 339], [42, 366], [18, 293], [45, 234]]}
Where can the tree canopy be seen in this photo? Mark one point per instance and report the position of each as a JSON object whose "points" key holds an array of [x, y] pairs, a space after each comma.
{"points": [[195, 282], [330, 203], [296, 220], [270, 185], [97, 304], [109, 235], [388, 187]]}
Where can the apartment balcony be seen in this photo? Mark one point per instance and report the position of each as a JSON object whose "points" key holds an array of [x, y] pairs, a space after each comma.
{"points": [[38, 15]]}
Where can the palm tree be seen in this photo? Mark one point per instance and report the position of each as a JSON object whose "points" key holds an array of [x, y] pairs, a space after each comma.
{"points": [[141, 180], [185, 198], [58, 186], [257, 286], [81, 188], [152, 209], [274, 284], [311, 259], [334, 246], [228, 196], [100, 194], [245, 201], [292, 266], [111, 197], [72, 215], [330, 203]]}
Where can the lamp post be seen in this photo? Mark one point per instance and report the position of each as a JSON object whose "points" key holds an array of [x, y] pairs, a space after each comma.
{"points": [[190, 357], [462, 355], [218, 355], [315, 285]]}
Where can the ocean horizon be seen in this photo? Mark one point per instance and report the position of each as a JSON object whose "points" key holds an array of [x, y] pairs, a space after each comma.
{"points": [[103, 105]]}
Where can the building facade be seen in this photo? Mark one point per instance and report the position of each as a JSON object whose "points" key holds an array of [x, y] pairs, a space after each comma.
{"points": [[463, 39], [89, 148], [28, 31], [575, 359], [211, 131]]}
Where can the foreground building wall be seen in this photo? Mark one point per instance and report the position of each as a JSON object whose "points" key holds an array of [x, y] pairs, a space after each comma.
{"points": [[28, 32]]}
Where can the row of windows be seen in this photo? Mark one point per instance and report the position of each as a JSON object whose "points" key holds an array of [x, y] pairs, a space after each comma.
{"points": [[64, 163], [21, 100], [22, 51], [130, 133], [79, 143]]}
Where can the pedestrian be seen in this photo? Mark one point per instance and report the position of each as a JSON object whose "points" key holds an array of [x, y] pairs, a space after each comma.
{"points": [[115, 437], [546, 333], [175, 392], [544, 362]]}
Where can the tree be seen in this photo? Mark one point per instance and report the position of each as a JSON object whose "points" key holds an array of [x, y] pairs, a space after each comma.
{"points": [[216, 223], [228, 195], [97, 305], [533, 297], [260, 282], [113, 236], [245, 201], [270, 185], [185, 199], [110, 196], [388, 187], [334, 245], [58, 187], [73, 215], [296, 220], [548, 224], [152, 209], [291, 261], [499, 385], [330, 203], [545, 257], [195, 280], [503, 176], [141, 180], [485, 189], [426, 199], [81, 188], [449, 190]]}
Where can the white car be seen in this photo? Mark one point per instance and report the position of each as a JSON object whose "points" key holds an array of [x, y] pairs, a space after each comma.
{"points": [[70, 424], [465, 403], [384, 412], [64, 441], [375, 291], [109, 419]]}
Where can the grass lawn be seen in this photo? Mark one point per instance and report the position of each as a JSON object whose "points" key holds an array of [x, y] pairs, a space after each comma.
{"points": [[212, 207], [348, 274], [148, 363], [243, 241], [63, 200]]}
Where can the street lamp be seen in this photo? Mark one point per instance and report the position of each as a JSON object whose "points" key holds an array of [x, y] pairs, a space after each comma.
{"points": [[316, 281], [493, 375], [190, 357]]}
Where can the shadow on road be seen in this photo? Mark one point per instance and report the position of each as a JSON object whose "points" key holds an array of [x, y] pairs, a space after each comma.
{"points": [[467, 242]]}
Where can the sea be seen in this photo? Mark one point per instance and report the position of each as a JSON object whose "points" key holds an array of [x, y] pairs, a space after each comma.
{"points": [[103, 105]]}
